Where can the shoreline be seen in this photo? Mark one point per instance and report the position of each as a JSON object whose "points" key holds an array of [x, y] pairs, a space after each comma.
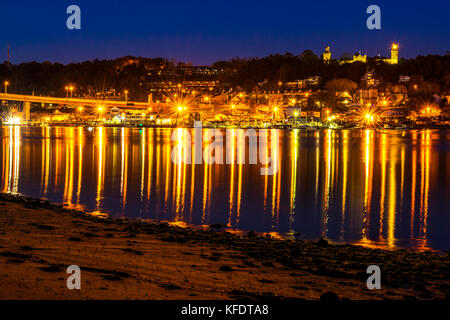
{"points": [[285, 127], [128, 259]]}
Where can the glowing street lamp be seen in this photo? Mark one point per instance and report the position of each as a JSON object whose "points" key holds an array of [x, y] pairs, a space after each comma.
{"points": [[126, 97], [430, 111], [71, 88], [369, 118], [295, 116], [208, 99], [13, 121], [6, 83], [274, 114]]}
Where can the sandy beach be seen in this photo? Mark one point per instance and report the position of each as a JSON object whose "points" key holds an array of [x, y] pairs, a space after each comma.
{"points": [[123, 259]]}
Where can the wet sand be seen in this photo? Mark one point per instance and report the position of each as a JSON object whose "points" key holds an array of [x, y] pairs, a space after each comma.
{"points": [[123, 259]]}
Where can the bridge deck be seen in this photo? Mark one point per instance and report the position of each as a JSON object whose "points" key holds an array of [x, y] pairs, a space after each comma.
{"points": [[73, 101]]}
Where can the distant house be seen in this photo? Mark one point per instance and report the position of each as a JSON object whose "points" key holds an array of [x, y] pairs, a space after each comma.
{"points": [[404, 79], [304, 83], [369, 79]]}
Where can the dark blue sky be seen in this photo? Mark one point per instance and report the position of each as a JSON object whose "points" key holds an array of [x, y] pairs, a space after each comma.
{"points": [[202, 32]]}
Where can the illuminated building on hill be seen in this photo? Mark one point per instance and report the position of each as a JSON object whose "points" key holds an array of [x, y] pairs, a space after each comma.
{"points": [[358, 57]]}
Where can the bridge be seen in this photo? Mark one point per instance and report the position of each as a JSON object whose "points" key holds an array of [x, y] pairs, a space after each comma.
{"points": [[73, 101], [96, 103], [27, 100]]}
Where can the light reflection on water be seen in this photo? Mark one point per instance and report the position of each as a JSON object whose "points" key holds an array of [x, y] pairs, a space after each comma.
{"points": [[383, 189]]}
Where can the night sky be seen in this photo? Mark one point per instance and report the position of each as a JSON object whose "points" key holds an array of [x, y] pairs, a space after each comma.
{"points": [[202, 32]]}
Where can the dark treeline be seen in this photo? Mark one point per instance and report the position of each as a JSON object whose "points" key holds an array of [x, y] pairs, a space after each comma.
{"points": [[276, 68], [88, 78], [137, 74]]}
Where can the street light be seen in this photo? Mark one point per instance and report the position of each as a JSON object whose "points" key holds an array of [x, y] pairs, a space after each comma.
{"points": [[274, 114], [6, 83], [67, 91], [71, 91], [126, 97]]}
